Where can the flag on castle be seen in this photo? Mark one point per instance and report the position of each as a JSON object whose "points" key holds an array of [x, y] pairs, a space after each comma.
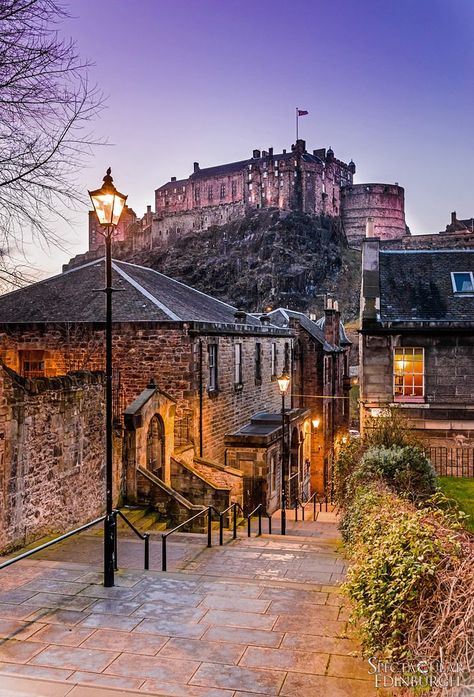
{"points": [[302, 112]]}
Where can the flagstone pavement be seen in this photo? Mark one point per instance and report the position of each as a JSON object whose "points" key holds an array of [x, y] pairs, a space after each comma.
{"points": [[258, 616]]}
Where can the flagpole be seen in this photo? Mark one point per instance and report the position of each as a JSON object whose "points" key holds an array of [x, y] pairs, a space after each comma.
{"points": [[297, 124]]}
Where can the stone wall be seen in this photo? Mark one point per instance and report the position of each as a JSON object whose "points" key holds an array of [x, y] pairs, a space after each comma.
{"points": [[384, 203], [197, 488], [51, 454]]}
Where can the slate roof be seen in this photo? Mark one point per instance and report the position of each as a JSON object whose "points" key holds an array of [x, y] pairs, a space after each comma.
{"points": [[280, 317], [149, 296], [416, 286], [343, 338]]}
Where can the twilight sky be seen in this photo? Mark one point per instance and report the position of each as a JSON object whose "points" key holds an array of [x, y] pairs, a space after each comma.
{"points": [[389, 84]]}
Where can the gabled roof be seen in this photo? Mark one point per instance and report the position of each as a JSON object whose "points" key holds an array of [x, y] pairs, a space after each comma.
{"points": [[147, 295], [343, 338], [416, 286], [281, 317]]}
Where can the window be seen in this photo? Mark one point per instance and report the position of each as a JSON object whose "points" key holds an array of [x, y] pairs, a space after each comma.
{"points": [[238, 364], [32, 364], [258, 363], [273, 473], [408, 374], [197, 194], [222, 191], [286, 366], [274, 361], [209, 193], [212, 356], [463, 281], [234, 189]]}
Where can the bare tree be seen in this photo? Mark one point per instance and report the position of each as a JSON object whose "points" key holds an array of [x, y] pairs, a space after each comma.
{"points": [[46, 104]]}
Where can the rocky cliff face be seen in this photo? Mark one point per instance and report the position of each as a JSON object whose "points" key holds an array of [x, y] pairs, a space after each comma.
{"points": [[267, 259]]}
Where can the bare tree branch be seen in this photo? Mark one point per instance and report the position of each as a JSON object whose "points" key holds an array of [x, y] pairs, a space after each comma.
{"points": [[46, 105]]}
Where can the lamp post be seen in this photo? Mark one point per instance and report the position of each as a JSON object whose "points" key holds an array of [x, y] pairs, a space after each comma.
{"points": [[108, 204], [283, 384]]}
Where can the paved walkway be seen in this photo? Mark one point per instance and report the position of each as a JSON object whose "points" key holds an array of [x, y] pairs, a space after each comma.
{"points": [[259, 616]]}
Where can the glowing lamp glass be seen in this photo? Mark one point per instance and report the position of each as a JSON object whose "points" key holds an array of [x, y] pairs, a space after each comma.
{"points": [[315, 423], [108, 202], [283, 383]]}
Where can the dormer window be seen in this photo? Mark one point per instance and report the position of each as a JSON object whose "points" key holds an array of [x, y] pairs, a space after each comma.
{"points": [[463, 281]]}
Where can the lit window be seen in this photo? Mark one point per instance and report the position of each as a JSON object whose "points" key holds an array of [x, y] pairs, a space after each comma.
{"points": [[32, 364], [212, 355], [463, 281], [408, 374], [238, 378]]}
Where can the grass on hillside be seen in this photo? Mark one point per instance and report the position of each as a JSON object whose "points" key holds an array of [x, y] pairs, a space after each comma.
{"points": [[462, 490]]}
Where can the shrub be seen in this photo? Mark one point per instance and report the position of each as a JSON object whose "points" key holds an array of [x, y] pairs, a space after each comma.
{"points": [[406, 470], [395, 559], [388, 430]]}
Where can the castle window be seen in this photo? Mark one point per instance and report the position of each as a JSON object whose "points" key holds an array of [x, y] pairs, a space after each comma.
{"points": [[408, 374], [463, 281], [197, 194], [209, 193], [32, 364], [212, 356], [250, 187], [234, 188], [222, 191]]}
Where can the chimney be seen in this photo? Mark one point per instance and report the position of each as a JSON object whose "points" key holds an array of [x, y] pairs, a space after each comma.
{"points": [[332, 319], [370, 290], [148, 209], [453, 217], [369, 228], [240, 317], [196, 167], [270, 152], [173, 179], [284, 151], [264, 153], [256, 154], [264, 319]]}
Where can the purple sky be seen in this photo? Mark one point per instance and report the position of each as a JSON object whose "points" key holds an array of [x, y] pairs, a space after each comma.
{"points": [[389, 84]]}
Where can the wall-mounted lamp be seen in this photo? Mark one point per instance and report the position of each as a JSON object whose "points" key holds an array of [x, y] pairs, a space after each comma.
{"points": [[315, 423]]}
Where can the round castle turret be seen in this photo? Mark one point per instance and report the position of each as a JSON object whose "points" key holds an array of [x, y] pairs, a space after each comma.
{"points": [[384, 203]]}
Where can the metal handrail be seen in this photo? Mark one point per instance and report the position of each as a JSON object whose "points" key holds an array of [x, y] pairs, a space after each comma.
{"points": [[258, 511], [165, 535], [234, 507], [317, 500], [52, 542], [143, 536]]}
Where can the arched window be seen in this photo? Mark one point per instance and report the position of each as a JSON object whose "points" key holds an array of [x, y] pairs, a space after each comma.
{"points": [[155, 446]]}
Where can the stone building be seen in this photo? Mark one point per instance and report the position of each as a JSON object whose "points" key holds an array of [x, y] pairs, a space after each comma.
{"points": [[321, 384], [458, 234], [383, 204], [417, 346], [189, 370]]}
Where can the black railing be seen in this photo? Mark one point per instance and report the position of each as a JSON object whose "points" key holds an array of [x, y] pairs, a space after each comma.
{"points": [[205, 511], [143, 536], [452, 462], [319, 501], [52, 542], [259, 511], [233, 507]]}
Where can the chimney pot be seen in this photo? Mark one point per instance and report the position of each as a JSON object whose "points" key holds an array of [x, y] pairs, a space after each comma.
{"points": [[284, 151], [196, 167], [173, 179], [256, 154], [369, 227], [240, 317], [148, 209], [270, 152], [453, 217]]}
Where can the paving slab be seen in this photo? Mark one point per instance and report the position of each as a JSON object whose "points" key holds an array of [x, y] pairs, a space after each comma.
{"points": [[258, 616]]}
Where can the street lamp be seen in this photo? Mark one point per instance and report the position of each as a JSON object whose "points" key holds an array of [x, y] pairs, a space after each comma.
{"points": [[108, 204], [283, 384]]}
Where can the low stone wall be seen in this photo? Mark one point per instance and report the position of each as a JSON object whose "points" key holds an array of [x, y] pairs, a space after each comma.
{"points": [[196, 488], [227, 477], [51, 454]]}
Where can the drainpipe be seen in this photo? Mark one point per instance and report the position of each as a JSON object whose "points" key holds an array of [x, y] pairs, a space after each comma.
{"points": [[200, 398]]}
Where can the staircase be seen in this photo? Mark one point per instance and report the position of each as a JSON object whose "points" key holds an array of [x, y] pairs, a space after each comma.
{"points": [[144, 518]]}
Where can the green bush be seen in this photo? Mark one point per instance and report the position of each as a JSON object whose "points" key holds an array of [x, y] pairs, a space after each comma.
{"points": [[406, 470], [396, 551]]}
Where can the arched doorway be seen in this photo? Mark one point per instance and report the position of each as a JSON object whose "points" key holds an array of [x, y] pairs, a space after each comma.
{"points": [[155, 446]]}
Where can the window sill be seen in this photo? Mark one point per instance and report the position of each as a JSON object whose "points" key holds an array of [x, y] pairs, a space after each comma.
{"points": [[418, 400]]}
